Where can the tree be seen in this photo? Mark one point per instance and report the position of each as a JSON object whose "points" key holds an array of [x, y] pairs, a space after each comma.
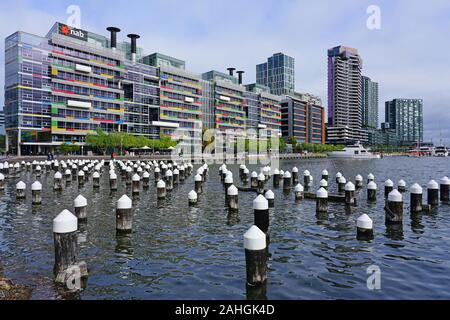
{"points": [[68, 148]]}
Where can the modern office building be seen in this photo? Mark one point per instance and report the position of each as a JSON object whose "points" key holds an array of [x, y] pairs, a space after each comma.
{"points": [[229, 101], [60, 87], [344, 96], [405, 116], [278, 73], [369, 103], [263, 109], [303, 117], [382, 137]]}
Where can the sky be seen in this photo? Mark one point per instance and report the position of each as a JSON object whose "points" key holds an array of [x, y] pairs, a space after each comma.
{"points": [[408, 56]]}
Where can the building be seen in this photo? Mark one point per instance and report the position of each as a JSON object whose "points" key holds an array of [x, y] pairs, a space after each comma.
{"points": [[369, 105], [180, 105], [2, 123], [344, 96], [382, 137], [405, 116], [229, 101], [263, 109], [65, 85], [303, 117], [278, 73]]}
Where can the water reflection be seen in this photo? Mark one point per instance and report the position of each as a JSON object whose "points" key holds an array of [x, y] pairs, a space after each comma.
{"points": [[255, 293]]}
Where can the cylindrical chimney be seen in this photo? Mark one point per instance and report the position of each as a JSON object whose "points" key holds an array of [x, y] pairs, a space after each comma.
{"points": [[133, 38], [231, 71], [114, 31], [240, 73]]}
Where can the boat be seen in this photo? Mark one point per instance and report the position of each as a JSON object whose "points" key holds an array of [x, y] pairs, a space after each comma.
{"points": [[441, 151], [354, 151]]}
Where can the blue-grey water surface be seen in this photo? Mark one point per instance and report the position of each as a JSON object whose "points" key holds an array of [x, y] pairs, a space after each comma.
{"points": [[179, 252]]}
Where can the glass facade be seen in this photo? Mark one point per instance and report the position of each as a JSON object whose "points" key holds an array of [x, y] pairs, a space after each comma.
{"points": [[278, 73], [405, 116], [369, 106]]}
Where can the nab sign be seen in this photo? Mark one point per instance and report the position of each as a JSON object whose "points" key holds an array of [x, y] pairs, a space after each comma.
{"points": [[72, 32]]}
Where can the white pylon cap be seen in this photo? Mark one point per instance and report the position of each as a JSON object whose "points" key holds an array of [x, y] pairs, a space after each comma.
{"points": [[2, 177], [261, 177], [112, 176], [342, 180], [80, 201], [228, 179], [322, 193], [338, 175], [388, 183], [350, 186], [294, 169], [157, 170], [67, 172], [445, 181], [325, 172], [372, 185], [161, 184], [232, 191], [58, 175], [36, 186], [269, 195], [176, 172], [146, 175], [169, 173], [65, 222], [401, 183], [276, 171], [96, 175], [17, 165], [299, 188], [192, 195], [254, 174], [306, 173], [254, 239], [416, 189], [395, 196], [323, 183], [38, 168], [370, 176], [246, 171], [359, 178], [287, 174], [124, 202], [136, 178], [364, 222], [198, 178], [21, 185], [260, 203], [432, 185]]}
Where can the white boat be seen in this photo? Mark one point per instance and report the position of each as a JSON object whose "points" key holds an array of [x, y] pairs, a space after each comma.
{"points": [[354, 151], [441, 151]]}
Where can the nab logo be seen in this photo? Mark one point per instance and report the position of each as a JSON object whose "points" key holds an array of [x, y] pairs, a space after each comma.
{"points": [[72, 32]]}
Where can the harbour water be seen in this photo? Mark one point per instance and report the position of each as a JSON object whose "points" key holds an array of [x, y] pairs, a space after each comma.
{"points": [[182, 252]]}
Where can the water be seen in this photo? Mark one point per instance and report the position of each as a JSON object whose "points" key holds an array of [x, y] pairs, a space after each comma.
{"points": [[178, 252]]}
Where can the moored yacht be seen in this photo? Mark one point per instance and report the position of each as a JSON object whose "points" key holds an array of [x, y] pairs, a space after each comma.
{"points": [[354, 151]]}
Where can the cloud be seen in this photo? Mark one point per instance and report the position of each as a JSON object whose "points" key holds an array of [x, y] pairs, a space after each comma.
{"points": [[408, 56]]}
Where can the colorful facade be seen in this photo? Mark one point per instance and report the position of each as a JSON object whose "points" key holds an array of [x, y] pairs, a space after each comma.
{"points": [[303, 118]]}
